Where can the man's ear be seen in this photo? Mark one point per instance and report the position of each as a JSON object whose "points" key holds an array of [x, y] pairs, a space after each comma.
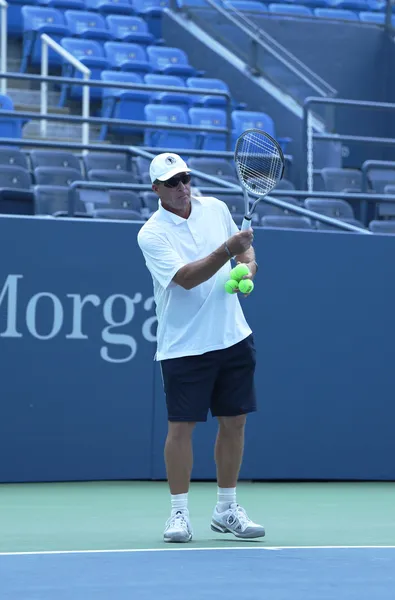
{"points": [[155, 188]]}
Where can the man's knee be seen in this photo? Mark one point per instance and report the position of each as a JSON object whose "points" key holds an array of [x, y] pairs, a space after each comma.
{"points": [[180, 430], [232, 425]]}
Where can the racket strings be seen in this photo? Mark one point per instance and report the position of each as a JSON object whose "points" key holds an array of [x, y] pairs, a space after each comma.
{"points": [[259, 162]]}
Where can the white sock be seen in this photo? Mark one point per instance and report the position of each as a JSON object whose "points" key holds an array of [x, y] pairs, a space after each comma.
{"points": [[225, 497], [179, 502]]}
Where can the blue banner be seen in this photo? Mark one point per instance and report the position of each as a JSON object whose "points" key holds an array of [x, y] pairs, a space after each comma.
{"points": [[81, 395]]}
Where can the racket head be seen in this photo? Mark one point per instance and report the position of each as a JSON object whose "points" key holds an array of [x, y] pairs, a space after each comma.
{"points": [[259, 161]]}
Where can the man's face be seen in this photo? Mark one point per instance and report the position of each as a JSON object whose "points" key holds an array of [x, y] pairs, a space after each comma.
{"points": [[175, 193]]}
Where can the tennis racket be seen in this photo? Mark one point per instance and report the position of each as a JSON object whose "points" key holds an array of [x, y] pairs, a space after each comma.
{"points": [[260, 166]]}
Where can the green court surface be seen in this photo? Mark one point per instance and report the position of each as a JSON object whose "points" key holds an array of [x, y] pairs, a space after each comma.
{"points": [[131, 515]]}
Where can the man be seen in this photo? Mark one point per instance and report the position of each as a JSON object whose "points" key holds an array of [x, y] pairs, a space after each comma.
{"points": [[204, 343]]}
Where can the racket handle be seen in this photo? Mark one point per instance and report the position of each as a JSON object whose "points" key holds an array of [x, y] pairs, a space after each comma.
{"points": [[246, 224]]}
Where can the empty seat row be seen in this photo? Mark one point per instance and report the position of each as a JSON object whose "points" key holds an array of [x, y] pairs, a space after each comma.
{"points": [[346, 10], [151, 10]]}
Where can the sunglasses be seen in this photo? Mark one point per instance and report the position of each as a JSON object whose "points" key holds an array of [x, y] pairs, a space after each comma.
{"points": [[174, 181]]}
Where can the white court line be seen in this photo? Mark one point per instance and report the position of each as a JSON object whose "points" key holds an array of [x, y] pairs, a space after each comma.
{"points": [[183, 549]]}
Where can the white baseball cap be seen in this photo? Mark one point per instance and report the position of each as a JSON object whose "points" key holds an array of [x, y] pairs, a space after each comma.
{"points": [[166, 165]]}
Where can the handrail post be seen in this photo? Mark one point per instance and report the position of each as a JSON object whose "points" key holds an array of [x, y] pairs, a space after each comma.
{"points": [[85, 109], [44, 87], [3, 44], [46, 41]]}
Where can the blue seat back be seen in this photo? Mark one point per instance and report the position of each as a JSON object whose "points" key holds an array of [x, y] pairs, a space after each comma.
{"points": [[130, 57], [291, 9], [161, 57], [208, 83], [242, 120], [122, 26], [87, 24], [123, 7], [181, 99], [83, 49], [333, 13], [206, 117], [36, 17], [167, 137]]}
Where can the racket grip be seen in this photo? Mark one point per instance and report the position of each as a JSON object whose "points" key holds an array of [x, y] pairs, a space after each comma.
{"points": [[246, 224]]}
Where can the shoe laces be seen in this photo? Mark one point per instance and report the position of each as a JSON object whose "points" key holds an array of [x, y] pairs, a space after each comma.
{"points": [[177, 520], [239, 512]]}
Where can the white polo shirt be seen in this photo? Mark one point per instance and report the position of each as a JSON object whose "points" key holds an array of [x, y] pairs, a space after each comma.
{"points": [[205, 318]]}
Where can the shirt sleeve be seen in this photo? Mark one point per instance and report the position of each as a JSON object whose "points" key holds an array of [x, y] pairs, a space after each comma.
{"points": [[161, 259]]}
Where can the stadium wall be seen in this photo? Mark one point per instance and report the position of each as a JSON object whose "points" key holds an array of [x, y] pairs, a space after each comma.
{"points": [[81, 396]]}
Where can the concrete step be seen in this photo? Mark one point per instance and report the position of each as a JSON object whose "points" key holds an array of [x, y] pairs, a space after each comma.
{"points": [[32, 97], [59, 132]]}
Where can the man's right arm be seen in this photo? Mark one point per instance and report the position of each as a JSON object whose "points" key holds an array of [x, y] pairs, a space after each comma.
{"points": [[199, 271]]}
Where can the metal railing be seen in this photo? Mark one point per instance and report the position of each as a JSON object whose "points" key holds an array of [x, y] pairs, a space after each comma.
{"points": [[3, 44], [221, 186], [46, 42], [261, 39], [125, 86], [309, 136]]}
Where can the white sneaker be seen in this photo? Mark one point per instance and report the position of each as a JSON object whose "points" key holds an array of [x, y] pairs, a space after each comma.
{"points": [[235, 520], [178, 528]]}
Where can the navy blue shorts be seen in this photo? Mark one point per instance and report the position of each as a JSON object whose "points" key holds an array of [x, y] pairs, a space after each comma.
{"points": [[221, 381]]}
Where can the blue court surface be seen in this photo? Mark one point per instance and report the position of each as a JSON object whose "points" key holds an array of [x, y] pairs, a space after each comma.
{"points": [[244, 573]]}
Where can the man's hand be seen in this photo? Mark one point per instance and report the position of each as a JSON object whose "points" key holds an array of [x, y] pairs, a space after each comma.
{"points": [[240, 242]]}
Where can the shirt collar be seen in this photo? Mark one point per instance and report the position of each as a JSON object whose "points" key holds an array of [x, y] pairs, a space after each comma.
{"points": [[169, 216]]}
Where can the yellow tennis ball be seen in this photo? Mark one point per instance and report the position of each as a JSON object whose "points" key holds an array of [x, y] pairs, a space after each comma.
{"points": [[239, 271], [246, 286], [231, 286]]}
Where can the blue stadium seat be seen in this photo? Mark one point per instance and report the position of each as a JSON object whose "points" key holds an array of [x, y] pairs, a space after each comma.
{"points": [[119, 103], [125, 200], [54, 158], [54, 200], [107, 160], [170, 61], [111, 7], [317, 3], [246, 5], [286, 221], [152, 11], [337, 209], [291, 9], [243, 119], [14, 177], [146, 7], [10, 156], [14, 16], [87, 25], [180, 99], [380, 178], [209, 117], [354, 5], [387, 227], [235, 202], [333, 13], [264, 209], [150, 202], [216, 167], [372, 17], [91, 54], [38, 20], [168, 138], [59, 176], [129, 29], [127, 57], [208, 83], [64, 4], [9, 128], [337, 180]]}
